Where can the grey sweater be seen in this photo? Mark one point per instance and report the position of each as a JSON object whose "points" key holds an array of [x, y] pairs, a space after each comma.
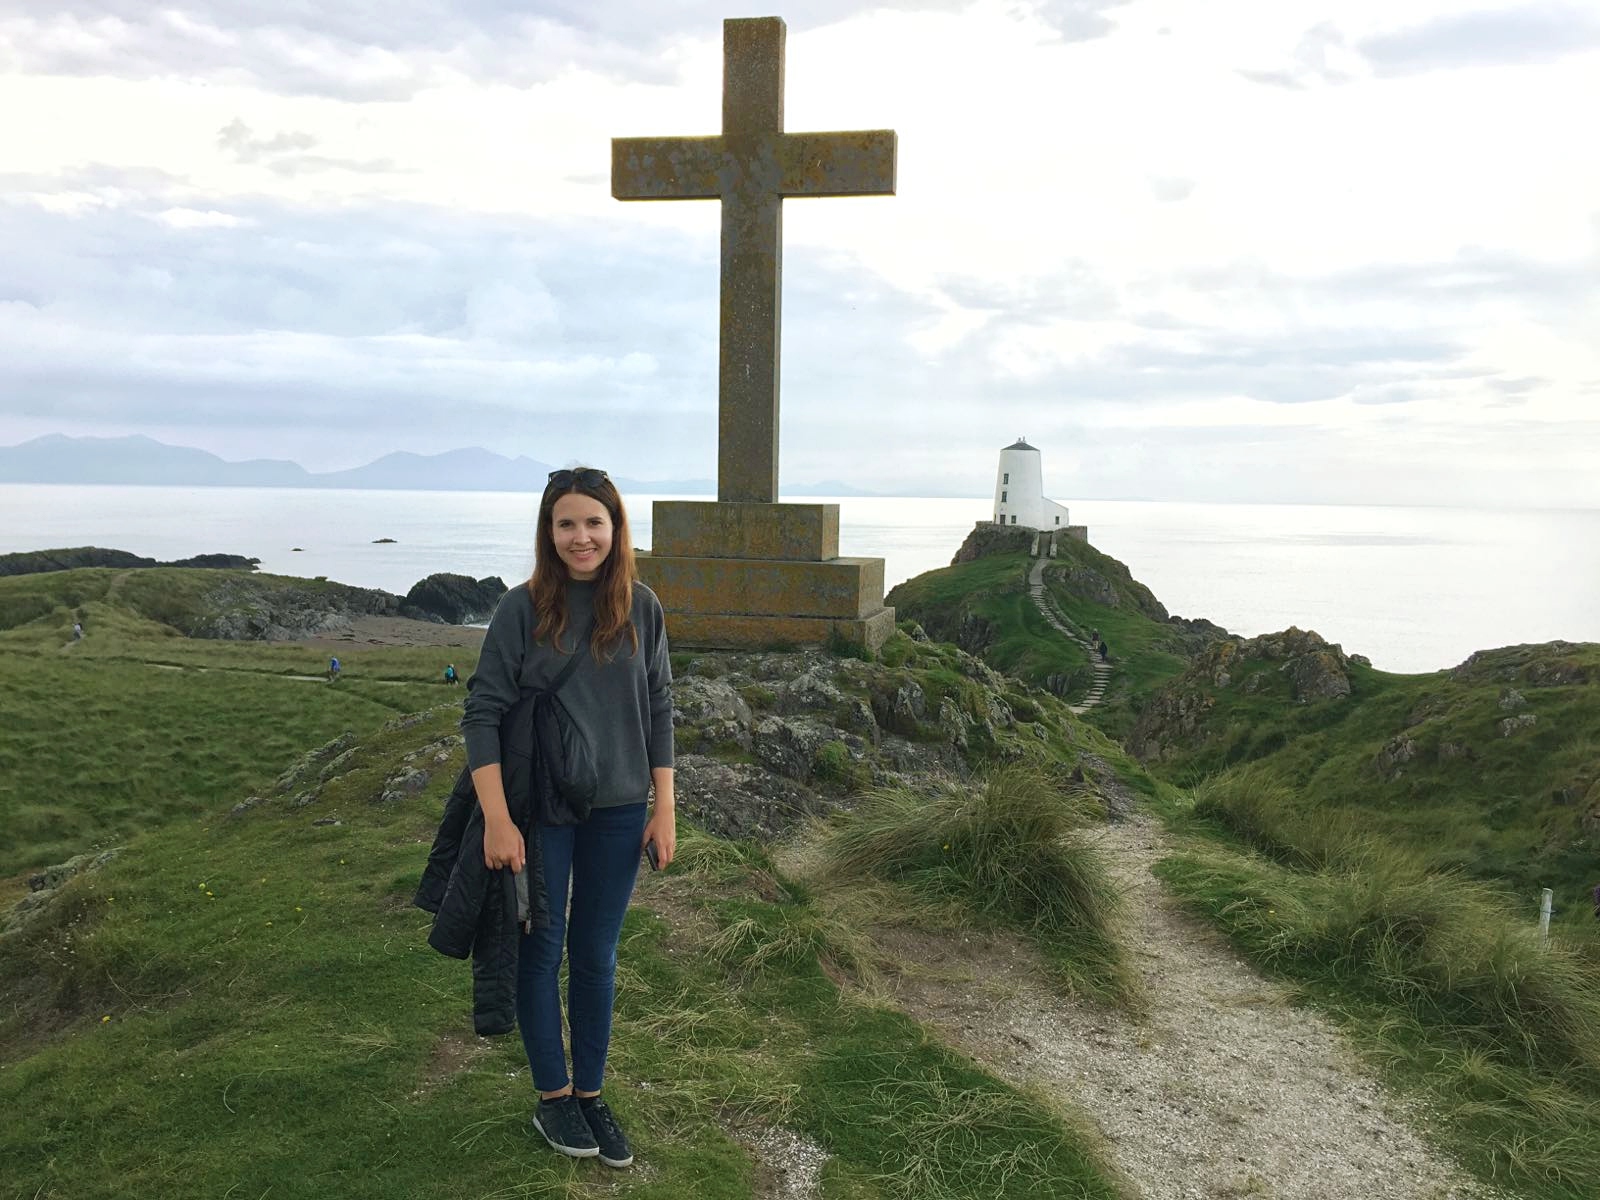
{"points": [[624, 704]]}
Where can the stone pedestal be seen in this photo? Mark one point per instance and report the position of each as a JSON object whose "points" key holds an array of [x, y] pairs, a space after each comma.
{"points": [[747, 575]]}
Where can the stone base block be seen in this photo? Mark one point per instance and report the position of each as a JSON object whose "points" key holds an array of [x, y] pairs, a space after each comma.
{"points": [[727, 529], [841, 589], [742, 631]]}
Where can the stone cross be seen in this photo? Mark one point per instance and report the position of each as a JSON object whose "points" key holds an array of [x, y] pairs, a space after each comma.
{"points": [[751, 167]]}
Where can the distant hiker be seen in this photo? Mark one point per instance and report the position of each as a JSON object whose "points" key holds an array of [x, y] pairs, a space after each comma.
{"points": [[586, 621], [1103, 651], [450, 675], [77, 631], [333, 669]]}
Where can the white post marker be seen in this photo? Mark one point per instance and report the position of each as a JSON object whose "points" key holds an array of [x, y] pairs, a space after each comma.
{"points": [[1546, 897]]}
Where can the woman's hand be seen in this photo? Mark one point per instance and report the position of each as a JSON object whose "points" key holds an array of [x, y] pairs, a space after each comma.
{"points": [[502, 845], [662, 829]]}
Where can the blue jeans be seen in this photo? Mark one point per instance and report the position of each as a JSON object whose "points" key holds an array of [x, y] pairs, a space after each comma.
{"points": [[601, 860]]}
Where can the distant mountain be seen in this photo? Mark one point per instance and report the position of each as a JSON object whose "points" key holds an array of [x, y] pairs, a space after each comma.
{"points": [[56, 458]]}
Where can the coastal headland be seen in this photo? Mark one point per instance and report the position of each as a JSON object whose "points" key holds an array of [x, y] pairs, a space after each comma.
{"points": [[1260, 919]]}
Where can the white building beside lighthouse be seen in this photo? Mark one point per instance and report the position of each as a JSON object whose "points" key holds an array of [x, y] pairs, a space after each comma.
{"points": [[1019, 497]]}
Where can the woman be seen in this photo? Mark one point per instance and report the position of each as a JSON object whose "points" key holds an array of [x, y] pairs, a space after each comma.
{"points": [[584, 598]]}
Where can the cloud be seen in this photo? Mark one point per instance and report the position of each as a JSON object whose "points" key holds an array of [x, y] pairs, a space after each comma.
{"points": [[1322, 56], [372, 50], [284, 153], [1328, 54], [1079, 20], [1532, 33]]}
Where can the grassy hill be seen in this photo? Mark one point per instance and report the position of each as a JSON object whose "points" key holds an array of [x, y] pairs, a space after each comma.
{"points": [[983, 605], [136, 725], [240, 1000]]}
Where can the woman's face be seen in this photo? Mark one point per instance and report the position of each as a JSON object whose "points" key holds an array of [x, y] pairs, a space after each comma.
{"points": [[581, 527]]}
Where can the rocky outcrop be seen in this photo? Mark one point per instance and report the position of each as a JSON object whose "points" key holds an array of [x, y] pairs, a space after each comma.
{"points": [[987, 538], [453, 599], [1308, 670], [1548, 664], [35, 562], [272, 610], [43, 886], [767, 740]]}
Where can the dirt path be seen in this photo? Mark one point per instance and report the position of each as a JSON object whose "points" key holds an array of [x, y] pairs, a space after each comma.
{"points": [[1225, 1091]]}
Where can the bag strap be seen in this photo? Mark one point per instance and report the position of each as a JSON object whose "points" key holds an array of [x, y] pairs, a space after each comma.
{"points": [[571, 664]]}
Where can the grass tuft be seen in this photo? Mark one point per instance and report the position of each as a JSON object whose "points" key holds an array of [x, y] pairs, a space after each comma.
{"points": [[1010, 847]]}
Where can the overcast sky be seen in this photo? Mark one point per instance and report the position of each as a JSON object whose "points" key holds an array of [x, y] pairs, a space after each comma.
{"points": [[1275, 250]]}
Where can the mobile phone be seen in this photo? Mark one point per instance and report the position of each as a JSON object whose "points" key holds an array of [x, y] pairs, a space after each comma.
{"points": [[653, 855]]}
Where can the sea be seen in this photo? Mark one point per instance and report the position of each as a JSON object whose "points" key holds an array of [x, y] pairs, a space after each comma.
{"points": [[1415, 589]]}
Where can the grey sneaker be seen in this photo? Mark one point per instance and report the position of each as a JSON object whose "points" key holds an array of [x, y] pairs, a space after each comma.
{"points": [[614, 1148], [564, 1128]]}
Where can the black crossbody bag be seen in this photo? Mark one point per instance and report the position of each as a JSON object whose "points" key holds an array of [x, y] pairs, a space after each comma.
{"points": [[566, 775]]}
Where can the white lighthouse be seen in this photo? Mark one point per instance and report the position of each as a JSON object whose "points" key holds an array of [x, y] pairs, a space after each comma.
{"points": [[1019, 497]]}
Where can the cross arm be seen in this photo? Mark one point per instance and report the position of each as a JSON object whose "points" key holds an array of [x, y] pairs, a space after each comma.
{"points": [[665, 168], [858, 163]]}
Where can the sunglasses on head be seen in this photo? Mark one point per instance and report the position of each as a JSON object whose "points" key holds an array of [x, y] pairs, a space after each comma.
{"points": [[589, 477]]}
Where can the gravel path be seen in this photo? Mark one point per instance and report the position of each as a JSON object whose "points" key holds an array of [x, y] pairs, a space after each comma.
{"points": [[1225, 1091]]}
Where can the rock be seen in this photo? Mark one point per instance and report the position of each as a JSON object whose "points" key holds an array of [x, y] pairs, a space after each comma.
{"points": [[36, 562], [327, 821], [740, 800], [789, 745], [436, 751], [916, 632], [1319, 675], [44, 885], [856, 717], [1549, 664], [1087, 584], [1170, 718], [216, 562], [403, 785], [953, 725], [241, 609], [902, 710], [1396, 752], [453, 599], [988, 538], [408, 721], [1511, 725], [810, 691], [337, 766], [1453, 750], [384, 541], [1511, 700], [246, 805], [1360, 660], [712, 709], [1101, 778], [313, 760]]}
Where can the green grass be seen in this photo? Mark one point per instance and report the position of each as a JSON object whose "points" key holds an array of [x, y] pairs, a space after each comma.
{"points": [[248, 1003], [1507, 809], [989, 598], [1441, 978], [134, 726]]}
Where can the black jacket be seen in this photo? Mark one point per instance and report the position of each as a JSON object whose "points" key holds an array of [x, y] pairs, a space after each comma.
{"points": [[475, 908]]}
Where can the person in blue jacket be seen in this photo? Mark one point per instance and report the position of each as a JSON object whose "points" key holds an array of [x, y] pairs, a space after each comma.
{"points": [[584, 598]]}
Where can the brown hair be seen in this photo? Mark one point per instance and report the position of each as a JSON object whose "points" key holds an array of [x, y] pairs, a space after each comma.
{"points": [[613, 582]]}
